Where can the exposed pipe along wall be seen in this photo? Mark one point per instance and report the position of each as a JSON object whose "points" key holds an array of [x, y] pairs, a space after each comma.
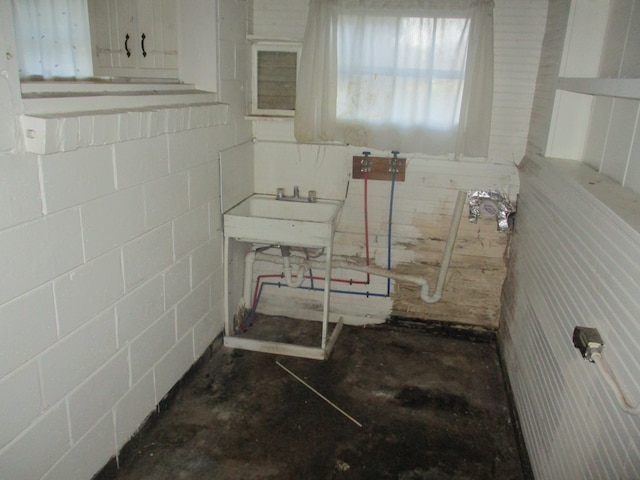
{"points": [[306, 264]]}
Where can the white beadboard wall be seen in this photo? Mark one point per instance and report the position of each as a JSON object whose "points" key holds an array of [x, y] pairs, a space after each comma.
{"points": [[424, 203], [112, 268], [574, 261], [519, 27], [551, 56]]}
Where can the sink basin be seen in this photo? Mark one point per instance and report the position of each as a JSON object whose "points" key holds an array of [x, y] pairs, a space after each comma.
{"points": [[263, 219]]}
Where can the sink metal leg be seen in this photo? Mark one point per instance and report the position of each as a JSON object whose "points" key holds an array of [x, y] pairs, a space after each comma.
{"points": [[237, 341], [327, 295], [228, 331]]}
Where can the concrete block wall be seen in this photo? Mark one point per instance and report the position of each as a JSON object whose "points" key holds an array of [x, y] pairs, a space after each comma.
{"points": [[112, 270], [108, 296]]}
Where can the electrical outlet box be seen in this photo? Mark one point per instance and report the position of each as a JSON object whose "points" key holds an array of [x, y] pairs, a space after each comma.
{"points": [[588, 341]]}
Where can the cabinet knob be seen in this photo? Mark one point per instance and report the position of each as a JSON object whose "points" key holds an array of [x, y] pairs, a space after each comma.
{"points": [[144, 53], [126, 46]]}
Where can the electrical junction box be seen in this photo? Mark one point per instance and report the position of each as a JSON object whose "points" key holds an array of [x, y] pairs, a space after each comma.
{"points": [[588, 341]]}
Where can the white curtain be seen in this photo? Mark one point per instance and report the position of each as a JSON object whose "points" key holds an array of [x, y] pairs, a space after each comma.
{"points": [[52, 38], [408, 75]]}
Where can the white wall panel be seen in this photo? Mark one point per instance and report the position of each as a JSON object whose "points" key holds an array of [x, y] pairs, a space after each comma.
{"points": [[547, 75], [48, 435], [87, 456], [106, 230], [70, 361], [574, 262], [282, 19], [28, 327], [22, 388]]}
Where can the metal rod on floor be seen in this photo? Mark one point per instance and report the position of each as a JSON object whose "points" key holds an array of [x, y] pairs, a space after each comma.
{"points": [[319, 394]]}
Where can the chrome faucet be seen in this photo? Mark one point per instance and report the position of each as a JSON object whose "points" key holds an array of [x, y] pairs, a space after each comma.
{"points": [[312, 198]]}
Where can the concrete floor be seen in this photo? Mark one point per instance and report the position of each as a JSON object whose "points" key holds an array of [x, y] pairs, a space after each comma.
{"points": [[431, 407]]}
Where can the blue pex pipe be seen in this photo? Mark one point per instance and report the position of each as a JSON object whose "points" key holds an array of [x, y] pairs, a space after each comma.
{"points": [[393, 185], [315, 289], [252, 313]]}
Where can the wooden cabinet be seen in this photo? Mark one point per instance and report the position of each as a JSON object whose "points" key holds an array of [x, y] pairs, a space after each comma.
{"points": [[134, 38]]}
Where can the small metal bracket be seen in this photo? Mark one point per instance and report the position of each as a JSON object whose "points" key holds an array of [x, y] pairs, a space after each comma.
{"points": [[394, 162], [365, 163], [379, 168]]}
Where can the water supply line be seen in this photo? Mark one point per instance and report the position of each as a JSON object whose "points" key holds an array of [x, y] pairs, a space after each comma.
{"points": [[448, 248], [365, 169], [626, 402], [393, 169], [343, 263], [250, 259]]}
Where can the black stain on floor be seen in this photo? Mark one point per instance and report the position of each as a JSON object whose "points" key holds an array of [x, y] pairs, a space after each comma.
{"points": [[431, 408]]}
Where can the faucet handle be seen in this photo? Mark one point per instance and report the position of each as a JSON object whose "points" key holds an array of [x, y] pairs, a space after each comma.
{"points": [[394, 162], [365, 163]]}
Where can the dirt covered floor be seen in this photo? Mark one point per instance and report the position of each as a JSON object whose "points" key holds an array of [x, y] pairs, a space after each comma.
{"points": [[431, 407]]}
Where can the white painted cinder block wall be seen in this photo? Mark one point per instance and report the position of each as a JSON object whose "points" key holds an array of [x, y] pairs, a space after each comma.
{"points": [[111, 280]]}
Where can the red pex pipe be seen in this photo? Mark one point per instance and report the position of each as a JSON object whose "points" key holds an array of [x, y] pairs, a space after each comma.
{"points": [[258, 279], [366, 248], [366, 221]]}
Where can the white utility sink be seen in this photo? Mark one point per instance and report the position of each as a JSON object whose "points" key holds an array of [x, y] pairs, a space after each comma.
{"points": [[263, 219]]}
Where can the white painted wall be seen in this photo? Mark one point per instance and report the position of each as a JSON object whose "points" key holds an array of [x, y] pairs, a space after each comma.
{"points": [[574, 260], [613, 141], [111, 268], [424, 202], [601, 130]]}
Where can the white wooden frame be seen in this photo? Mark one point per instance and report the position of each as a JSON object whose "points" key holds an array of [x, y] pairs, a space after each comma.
{"points": [[270, 46]]}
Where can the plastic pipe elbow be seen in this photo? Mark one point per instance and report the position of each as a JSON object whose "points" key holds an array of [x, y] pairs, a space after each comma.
{"points": [[424, 292], [249, 260], [303, 268]]}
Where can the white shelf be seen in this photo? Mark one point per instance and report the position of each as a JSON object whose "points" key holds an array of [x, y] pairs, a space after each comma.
{"points": [[608, 87]]}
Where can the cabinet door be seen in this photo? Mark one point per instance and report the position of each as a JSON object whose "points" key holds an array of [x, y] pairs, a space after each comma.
{"points": [[124, 35], [111, 21], [158, 34], [134, 38]]}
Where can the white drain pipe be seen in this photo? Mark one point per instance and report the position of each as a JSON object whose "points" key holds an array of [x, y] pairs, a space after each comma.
{"points": [[373, 270], [303, 268], [250, 259], [448, 248]]}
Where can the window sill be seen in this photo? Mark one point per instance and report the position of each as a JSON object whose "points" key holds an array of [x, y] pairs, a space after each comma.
{"points": [[62, 117], [608, 87], [274, 118]]}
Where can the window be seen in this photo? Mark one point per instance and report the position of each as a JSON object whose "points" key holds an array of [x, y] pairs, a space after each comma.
{"points": [[51, 36], [401, 71], [414, 76], [52, 39]]}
